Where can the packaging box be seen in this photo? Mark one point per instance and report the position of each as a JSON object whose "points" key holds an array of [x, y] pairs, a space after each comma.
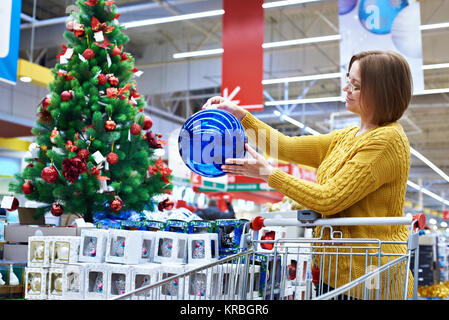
{"points": [[174, 288], [93, 245], [118, 280], [202, 248], [124, 246], [229, 235], [171, 247], [202, 285], [15, 252], [20, 233], [36, 283], [144, 275], [54, 285], [28, 216], [73, 281], [270, 234], [64, 250], [201, 226], [176, 226], [147, 245], [39, 251], [12, 278], [95, 284]]}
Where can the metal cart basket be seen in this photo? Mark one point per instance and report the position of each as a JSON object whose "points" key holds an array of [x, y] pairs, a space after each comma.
{"points": [[302, 268]]}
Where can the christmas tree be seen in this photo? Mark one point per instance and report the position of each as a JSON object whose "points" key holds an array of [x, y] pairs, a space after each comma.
{"points": [[94, 149]]}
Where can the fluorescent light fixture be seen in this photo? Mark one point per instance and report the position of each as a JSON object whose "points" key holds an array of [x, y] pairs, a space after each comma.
{"points": [[431, 91], [434, 26], [307, 100], [296, 42], [26, 79], [435, 66], [427, 192], [277, 4], [296, 123], [197, 53], [181, 17], [429, 163], [303, 78], [432, 221], [443, 224]]}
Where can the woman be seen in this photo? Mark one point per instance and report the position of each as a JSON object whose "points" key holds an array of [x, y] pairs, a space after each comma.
{"points": [[361, 170]]}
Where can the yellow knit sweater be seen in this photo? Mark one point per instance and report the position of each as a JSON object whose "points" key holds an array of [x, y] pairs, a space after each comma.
{"points": [[357, 176]]}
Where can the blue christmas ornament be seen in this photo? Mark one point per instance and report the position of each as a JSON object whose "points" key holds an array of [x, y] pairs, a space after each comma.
{"points": [[377, 16], [208, 138]]}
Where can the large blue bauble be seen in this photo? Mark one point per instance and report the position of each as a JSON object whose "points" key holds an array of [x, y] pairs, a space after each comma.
{"points": [[208, 138]]}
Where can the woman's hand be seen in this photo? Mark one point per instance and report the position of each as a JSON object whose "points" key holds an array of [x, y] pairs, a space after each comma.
{"points": [[218, 102], [257, 167]]}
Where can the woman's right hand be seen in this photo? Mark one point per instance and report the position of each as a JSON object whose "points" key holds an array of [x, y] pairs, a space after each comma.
{"points": [[218, 102]]}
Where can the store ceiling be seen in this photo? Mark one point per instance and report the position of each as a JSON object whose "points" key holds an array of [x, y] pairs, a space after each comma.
{"points": [[426, 121]]}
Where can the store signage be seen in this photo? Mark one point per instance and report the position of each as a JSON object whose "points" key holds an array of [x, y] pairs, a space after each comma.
{"points": [[242, 59], [382, 25], [9, 39], [446, 214]]}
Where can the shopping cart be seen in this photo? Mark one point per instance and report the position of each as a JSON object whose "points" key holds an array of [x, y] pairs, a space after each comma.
{"points": [[301, 268]]}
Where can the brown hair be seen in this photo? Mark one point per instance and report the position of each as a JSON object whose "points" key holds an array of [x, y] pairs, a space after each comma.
{"points": [[386, 84]]}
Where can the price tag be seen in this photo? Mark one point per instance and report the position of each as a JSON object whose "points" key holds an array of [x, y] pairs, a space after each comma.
{"points": [[7, 202], [108, 58], [81, 57], [99, 37], [68, 53], [98, 157]]}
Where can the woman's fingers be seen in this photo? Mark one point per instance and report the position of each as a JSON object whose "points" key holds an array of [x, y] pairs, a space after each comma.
{"points": [[251, 151]]}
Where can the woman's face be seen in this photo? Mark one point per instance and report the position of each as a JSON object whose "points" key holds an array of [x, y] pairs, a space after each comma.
{"points": [[352, 89]]}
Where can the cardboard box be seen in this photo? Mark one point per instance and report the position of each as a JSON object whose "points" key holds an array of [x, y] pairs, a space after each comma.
{"points": [[15, 252], [20, 233], [27, 216]]}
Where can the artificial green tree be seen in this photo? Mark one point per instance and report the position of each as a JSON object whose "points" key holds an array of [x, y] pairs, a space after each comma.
{"points": [[94, 146]]}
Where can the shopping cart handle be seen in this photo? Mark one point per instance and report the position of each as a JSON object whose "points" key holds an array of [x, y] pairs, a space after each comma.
{"points": [[256, 223], [421, 220]]}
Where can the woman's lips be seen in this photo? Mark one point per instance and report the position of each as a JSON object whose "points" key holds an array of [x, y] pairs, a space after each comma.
{"points": [[349, 99]]}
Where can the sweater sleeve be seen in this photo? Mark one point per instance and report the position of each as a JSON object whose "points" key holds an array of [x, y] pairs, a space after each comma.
{"points": [[305, 150], [372, 166]]}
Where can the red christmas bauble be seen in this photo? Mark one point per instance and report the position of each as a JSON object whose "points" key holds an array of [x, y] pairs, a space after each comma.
{"points": [[135, 129], [147, 123], [112, 158], [70, 25], [15, 205], [66, 95], [50, 174], [116, 204], [113, 80], [116, 51], [109, 125], [102, 79], [27, 187], [89, 54], [79, 30], [46, 103], [56, 209], [83, 154]]}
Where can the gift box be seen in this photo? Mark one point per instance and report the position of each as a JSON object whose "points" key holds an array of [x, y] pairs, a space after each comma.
{"points": [[74, 281], [270, 234], [171, 247], [95, 285], [202, 248], [232, 279], [36, 283], [124, 246], [144, 275], [64, 250], [54, 286], [174, 288], [202, 285], [201, 226], [12, 278], [154, 225], [229, 235], [147, 246], [39, 251], [132, 225], [93, 245], [118, 280], [176, 226]]}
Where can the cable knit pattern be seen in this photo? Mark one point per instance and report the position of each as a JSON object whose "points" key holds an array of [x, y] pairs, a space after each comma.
{"points": [[357, 176]]}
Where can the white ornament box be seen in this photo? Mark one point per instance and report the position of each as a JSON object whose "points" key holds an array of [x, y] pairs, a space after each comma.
{"points": [[54, 285], [95, 285], [270, 234], [39, 254], [124, 246], [65, 250], [202, 248], [203, 285], [93, 245], [174, 288], [147, 246], [118, 280], [143, 275], [171, 247], [36, 283], [73, 281]]}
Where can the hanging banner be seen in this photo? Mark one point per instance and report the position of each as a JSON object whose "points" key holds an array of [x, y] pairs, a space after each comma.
{"points": [[242, 59], [9, 39], [382, 25]]}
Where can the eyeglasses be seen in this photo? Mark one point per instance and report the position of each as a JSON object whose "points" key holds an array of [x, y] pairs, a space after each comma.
{"points": [[351, 86]]}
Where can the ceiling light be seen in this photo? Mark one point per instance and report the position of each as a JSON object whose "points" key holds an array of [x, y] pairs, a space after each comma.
{"points": [[303, 78], [296, 42], [427, 192], [197, 53], [435, 66], [25, 79], [181, 17], [429, 163], [277, 4], [307, 100], [434, 26]]}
